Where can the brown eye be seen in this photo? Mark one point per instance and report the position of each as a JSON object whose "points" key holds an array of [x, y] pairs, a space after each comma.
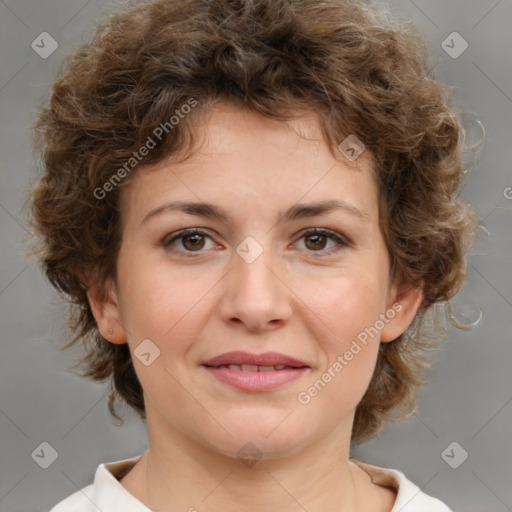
{"points": [[316, 242], [188, 241], [193, 242]]}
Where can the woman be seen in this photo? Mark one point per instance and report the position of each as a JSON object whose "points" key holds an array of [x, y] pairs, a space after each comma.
{"points": [[252, 205]]}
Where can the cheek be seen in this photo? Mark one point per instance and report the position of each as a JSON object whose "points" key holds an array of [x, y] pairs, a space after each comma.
{"points": [[347, 331], [349, 350], [348, 303], [168, 307]]}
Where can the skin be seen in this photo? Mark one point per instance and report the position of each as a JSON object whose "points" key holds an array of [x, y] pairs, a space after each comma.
{"points": [[291, 300]]}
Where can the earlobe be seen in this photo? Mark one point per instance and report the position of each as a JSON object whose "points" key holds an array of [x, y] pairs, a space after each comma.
{"points": [[105, 308], [402, 312]]}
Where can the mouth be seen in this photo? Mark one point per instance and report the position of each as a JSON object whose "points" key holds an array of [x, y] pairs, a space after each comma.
{"points": [[255, 372], [246, 361], [256, 368]]}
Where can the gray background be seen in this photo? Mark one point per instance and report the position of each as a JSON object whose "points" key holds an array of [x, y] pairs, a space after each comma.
{"points": [[468, 399]]}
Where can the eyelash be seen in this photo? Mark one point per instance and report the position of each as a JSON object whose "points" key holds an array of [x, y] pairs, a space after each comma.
{"points": [[342, 243]]}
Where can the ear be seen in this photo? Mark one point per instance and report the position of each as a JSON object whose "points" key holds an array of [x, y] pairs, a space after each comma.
{"points": [[105, 308], [404, 302]]}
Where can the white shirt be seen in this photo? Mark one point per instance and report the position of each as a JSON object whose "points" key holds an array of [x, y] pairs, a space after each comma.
{"points": [[108, 495]]}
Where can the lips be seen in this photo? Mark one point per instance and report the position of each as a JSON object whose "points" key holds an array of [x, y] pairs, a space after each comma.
{"points": [[245, 361], [255, 372]]}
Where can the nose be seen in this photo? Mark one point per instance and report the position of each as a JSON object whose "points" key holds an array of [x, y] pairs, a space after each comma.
{"points": [[256, 295]]}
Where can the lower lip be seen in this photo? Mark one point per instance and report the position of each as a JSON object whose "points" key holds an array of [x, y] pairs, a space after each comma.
{"points": [[256, 381]]}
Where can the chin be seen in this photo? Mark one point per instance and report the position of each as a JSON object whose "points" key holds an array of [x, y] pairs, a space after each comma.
{"points": [[255, 440]]}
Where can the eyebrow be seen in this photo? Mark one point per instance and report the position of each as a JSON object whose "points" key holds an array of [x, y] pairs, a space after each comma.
{"points": [[297, 211]]}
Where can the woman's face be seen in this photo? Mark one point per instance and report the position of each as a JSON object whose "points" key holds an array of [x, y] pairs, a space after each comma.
{"points": [[255, 280]]}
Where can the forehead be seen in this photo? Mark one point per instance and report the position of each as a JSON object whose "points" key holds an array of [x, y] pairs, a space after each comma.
{"points": [[241, 157], [229, 131]]}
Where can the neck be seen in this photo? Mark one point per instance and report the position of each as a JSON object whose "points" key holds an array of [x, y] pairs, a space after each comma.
{"points": [[178, 473]]}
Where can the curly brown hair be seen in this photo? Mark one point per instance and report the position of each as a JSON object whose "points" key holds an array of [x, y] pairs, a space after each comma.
{"points": [[360, 73]]}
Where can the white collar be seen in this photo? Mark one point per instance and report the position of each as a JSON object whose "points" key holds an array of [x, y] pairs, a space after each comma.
{"points": [[107, 494]]}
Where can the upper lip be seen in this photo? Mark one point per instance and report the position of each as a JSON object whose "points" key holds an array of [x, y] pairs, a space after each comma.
{"points": [[264, 359]]}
